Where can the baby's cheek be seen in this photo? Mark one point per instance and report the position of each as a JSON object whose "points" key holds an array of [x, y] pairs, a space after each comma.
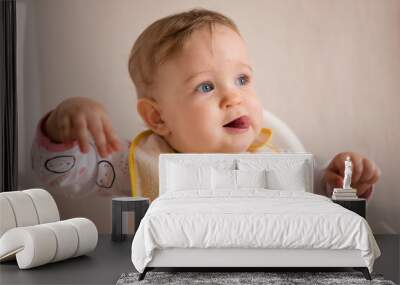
{"points": [[207, 134], [256, 110], [201, 120]]}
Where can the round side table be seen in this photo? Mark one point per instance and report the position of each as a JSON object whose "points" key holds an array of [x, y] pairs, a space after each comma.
{"points": [[138, 205]]}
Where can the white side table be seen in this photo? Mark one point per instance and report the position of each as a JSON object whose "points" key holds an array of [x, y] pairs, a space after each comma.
{"points": [[138, 205]]}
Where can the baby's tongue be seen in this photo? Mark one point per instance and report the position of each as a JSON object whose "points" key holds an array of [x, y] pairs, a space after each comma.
{"points": [[238, 123]]}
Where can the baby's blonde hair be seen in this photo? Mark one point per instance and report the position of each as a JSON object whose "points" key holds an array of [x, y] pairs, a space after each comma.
{"points": [[163, 39]]}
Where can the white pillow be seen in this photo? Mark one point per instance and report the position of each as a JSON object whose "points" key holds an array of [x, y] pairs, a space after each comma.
{"points": [[252, 178], [236, 179], [282, 174], [183, 177], [224, 179], [287, 179]]}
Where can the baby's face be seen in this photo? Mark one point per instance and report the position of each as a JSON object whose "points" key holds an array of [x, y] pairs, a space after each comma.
{"points": [[206, 86]]}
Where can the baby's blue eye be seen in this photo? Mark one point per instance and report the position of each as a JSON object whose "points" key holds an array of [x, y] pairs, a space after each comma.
{"points": [[205, 87], [242, 80]]}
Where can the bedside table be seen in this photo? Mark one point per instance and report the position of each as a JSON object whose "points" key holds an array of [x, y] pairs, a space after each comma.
{"points": [[358, 206], [138, 205]]}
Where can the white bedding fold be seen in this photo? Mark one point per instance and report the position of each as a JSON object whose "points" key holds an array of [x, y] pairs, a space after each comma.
{"points": [[251, 218]]}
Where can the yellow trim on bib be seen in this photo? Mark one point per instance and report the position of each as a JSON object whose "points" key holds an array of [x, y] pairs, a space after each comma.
{"points": [[273, 148], [261, 140], [132, 147]]}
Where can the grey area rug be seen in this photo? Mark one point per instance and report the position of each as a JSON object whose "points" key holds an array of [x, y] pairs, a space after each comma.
{"points": [[225, 278]]}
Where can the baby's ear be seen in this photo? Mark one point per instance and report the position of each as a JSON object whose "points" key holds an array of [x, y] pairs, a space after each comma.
{"points": [[150, 112]]}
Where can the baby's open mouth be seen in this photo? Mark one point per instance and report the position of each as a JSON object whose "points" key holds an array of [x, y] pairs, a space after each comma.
{"points": [[242, 122]]}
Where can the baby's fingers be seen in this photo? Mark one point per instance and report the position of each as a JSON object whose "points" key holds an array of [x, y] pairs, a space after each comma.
{"points": [[333, 179], [64, 127], [371, 172], [112, 139], [80, 128], [96, 129], [363, 188], [358, 168]]}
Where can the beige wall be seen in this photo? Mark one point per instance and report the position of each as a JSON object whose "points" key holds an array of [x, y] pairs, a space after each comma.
{"points": [[329, 69]]}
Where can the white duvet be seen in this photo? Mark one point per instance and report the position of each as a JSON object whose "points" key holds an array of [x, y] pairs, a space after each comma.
{"points": [[251, 218]]}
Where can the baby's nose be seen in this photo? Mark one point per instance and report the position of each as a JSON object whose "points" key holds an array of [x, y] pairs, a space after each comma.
{"points": [[231, 99]]}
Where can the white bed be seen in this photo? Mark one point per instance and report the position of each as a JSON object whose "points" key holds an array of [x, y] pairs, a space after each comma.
{"points": [[268, 218]]}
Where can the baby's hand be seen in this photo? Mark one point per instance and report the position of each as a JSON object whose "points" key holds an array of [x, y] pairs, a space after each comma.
{"points": [[365, 172], [76, 118]]}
